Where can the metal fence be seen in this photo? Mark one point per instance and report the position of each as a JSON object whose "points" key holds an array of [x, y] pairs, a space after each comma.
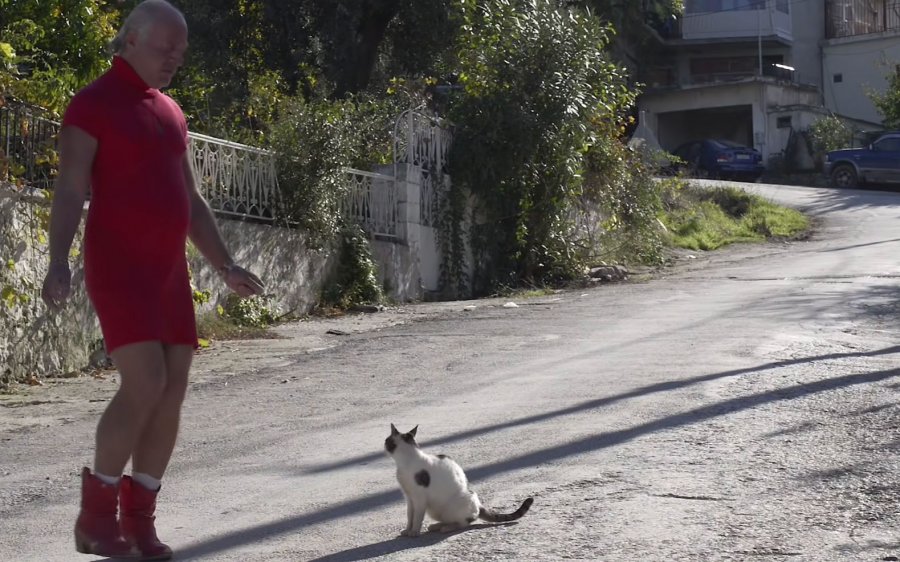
{"points": [[239, 181], [373, 203], [27, 144]]}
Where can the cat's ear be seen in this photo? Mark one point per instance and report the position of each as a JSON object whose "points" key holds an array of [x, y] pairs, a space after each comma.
{"points": [[413, 432], [394, 430]]}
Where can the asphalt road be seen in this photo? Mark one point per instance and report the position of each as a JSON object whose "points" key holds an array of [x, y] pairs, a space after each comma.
{"points": [[742, 405]]}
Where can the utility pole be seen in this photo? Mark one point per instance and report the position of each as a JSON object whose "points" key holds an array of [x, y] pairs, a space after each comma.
{"points": [[759, 9]]}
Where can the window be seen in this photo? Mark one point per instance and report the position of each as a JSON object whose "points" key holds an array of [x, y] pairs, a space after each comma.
{"points": [[783, 6], [706, 6], [784, 122], [890, 144], [838, 78]]}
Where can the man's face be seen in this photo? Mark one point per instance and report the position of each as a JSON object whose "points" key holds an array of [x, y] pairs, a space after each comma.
{"points": [[158, 51]]}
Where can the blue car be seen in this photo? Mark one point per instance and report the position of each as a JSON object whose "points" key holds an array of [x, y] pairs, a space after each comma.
{"points": [[878, 162], [718, 158]]}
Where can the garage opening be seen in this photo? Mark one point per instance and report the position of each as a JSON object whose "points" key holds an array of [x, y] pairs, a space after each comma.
{"points": [[734, 123]]}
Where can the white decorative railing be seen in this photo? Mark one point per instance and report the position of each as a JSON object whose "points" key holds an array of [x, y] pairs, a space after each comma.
{"points": [[422, 140], [372, 202], [237, 180]]}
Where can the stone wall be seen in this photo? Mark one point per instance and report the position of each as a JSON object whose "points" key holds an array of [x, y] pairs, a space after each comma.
{"points": [[36, 342], [293, 273]]}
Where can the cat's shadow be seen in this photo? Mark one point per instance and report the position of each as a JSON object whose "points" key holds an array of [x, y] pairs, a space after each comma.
{"points": [[398, 544]]}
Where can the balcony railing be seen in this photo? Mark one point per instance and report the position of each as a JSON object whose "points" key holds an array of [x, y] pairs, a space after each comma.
{"points": [[849, 18]]}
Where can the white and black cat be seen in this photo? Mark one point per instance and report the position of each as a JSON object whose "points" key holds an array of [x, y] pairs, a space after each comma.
{"points": [[435, 484]]}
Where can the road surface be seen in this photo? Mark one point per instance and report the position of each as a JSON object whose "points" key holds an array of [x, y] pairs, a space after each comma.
{"points": [[742, 405]]}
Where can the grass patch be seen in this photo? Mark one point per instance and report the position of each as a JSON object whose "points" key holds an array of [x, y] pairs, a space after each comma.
{"points": [[707, 219]]}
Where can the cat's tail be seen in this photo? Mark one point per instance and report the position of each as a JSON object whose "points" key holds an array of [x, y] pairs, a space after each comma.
{"points": [[492, 516]]}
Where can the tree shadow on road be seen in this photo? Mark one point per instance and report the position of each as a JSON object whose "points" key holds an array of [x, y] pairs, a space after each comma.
{"points": [[606, 401], [592, 443], [398, 544]]}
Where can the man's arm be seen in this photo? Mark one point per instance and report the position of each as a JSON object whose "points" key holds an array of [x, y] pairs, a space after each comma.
{"points": [[204, 233], [76, 158]]}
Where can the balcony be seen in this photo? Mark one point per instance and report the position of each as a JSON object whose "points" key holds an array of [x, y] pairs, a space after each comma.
{"points": [[729, 20], [850, 18]]}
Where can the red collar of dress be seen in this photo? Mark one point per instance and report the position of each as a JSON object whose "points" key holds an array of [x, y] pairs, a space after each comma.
{"points": [[125, 72]]}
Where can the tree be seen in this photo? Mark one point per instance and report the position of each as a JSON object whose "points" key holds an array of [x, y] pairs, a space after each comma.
{"points": [[542, 105], [888, 103], [51, 48], [635, 22]]}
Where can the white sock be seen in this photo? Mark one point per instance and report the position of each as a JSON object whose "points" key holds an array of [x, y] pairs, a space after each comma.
{"points": [[111, 480], [146, 481]]}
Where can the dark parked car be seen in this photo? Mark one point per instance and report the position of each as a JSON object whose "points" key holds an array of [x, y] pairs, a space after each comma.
{"points": [[878, 162], [718, 158]]}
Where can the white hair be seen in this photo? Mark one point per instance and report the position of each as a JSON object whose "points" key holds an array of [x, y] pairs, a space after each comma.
{"points": [[140, 19]]}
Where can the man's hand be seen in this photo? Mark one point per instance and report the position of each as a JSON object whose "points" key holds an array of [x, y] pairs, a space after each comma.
{"points": [[241, 281], [57, 285]]}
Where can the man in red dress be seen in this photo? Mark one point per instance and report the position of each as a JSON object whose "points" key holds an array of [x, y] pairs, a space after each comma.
{"points": [[126, 142]]}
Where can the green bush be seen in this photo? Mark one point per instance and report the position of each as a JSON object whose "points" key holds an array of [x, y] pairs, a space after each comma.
{"points": [[314, 142], [356, 279], [537, 141], [254, 312], [830, 133]]}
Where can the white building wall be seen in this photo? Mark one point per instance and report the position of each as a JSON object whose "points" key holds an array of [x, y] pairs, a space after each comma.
{"points": [[861, 64], [809, 32]]}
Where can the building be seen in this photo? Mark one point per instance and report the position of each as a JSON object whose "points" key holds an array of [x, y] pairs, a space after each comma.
{"points": [[759, 71], [861, 48]]}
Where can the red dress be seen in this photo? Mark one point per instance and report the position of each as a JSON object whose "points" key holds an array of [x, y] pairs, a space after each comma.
{"points": [[137, 225]]}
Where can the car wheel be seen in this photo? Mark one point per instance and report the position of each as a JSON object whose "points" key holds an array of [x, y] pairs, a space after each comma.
{"points": [[844, 176]]}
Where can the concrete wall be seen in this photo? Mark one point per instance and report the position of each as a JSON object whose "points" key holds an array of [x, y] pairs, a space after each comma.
{"points": [[809, 32], [863, 62], [34, 341], [294, 273]]}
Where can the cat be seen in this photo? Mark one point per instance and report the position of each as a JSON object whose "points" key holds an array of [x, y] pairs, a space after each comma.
{"points": [[437, 485]]}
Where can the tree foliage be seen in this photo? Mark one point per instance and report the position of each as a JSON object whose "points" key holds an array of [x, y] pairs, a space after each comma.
{"points": [[830, 133], [51, 48], [540, 114], [888, 103]]}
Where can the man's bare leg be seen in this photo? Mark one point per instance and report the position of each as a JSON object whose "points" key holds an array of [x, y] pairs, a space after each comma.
{"points": [[151, 457], [142, 369], [157, 441]]}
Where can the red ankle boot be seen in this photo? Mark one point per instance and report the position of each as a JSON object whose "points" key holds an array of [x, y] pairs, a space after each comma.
{"points": [[138, 505], [97, 528]]}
